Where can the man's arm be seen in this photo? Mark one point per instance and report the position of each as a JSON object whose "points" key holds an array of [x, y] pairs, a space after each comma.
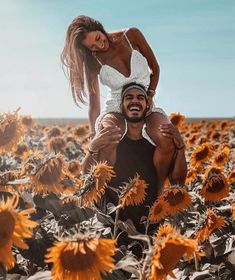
{"points": [[178, 171], [107, 135]]}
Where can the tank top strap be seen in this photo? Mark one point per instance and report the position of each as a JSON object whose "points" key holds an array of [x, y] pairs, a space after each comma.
{"points": [[127, 39]]}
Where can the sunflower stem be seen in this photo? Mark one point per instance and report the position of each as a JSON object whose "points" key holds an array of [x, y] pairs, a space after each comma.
{"points": [[3, 272], [196, 262], [147, 225], [147, 260], [116, 222]]}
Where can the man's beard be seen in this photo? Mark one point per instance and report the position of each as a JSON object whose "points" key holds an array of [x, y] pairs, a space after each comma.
{"points": [[134, 119]]}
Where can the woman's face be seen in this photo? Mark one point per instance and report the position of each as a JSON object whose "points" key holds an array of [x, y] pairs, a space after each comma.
{"points": [[96, 41]]}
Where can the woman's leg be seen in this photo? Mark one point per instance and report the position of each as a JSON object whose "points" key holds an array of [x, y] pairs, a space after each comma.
{"points": [[109, 152], [165, 147]]}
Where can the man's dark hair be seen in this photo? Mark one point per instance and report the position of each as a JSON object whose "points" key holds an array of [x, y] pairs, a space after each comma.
{"points": [[134, 85]]}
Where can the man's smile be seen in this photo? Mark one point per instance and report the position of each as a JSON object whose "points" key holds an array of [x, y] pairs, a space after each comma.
{"points": [[134, 108]]}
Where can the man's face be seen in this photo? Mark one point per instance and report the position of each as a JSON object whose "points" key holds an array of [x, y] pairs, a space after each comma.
{"points": [[134, 105]]}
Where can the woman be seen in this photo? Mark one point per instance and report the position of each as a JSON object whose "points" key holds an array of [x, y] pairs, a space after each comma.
{"points": [[117, 58]]}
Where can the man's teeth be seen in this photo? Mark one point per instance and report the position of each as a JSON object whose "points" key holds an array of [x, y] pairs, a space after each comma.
{"points": [[134, 108]]}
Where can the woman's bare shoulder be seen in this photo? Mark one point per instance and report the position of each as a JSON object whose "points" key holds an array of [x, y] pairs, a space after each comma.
{"points": [[134, 32]]}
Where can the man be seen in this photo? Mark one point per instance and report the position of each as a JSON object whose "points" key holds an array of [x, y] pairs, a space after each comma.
{"points": [[135, 153]]}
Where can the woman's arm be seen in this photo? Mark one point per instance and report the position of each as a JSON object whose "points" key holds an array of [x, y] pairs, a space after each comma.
{"points": [[178, 173], [94, 103], [178, 170], [137, 39]]}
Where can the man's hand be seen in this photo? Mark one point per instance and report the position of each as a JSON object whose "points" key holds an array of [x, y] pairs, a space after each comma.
{"points": [[106, 136], [170, 131]]}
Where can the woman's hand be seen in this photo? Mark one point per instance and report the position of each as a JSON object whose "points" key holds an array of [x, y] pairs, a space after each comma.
{"points": [[170, 131], [150, 105], [106, 136]]}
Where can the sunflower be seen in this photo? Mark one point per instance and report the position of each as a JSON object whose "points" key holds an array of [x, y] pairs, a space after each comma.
{"points": [[11, 131], [231, 177], [212, 171], [191, 175], [14, 226], [223, 124], [6, 177], [210, 222], [233, 210], [215, 136], [54, 132], [177, 198], [48, 176], [168, 252], [56, 144], [74, 168], [177, 119], [159, 210], [220, 159], [165, 230], [72, 200], [225, 148], [29, 165], [191, 141], [27, 121], [80, 132], [201, 154], [21, 149], [215, 188], [81, 258], [202, 139], [134, 192], [94, 187]]}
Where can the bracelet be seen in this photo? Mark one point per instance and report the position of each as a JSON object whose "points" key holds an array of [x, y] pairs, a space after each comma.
{"points": [[180, 148]]}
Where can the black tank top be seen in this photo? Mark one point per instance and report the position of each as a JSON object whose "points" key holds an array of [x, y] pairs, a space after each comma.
{"points": [[134, 156]]}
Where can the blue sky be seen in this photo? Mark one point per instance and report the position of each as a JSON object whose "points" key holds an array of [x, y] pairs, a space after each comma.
{"points": [[193, 41]]}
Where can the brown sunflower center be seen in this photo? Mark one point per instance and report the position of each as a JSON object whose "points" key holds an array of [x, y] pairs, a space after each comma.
{"points": [[7, 225], [170, 255], [175, 120], [8, 133], [78, 261], [157, 209], [174, 198], [74, 167], [216, 185], [51, 173], [21, 148], [220, 157], [202, 154]]}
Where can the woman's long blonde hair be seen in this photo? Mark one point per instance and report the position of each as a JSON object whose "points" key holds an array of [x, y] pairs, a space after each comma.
{"points": [[77, 60]]}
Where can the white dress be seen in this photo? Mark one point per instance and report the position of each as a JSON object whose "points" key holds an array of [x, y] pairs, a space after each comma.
{"points": [[109, 76]]}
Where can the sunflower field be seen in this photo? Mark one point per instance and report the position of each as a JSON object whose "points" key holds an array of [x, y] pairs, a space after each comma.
{"points": [[52, 228]]}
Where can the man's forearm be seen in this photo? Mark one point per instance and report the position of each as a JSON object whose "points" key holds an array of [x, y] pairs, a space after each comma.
{"points": [[88, 161]]}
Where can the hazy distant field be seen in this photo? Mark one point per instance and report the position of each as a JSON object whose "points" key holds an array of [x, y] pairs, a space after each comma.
{"points": [[62, 122]]}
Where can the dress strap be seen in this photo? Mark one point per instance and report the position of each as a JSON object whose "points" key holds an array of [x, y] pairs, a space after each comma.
{"points": [[94, 54], [127, 39]]}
